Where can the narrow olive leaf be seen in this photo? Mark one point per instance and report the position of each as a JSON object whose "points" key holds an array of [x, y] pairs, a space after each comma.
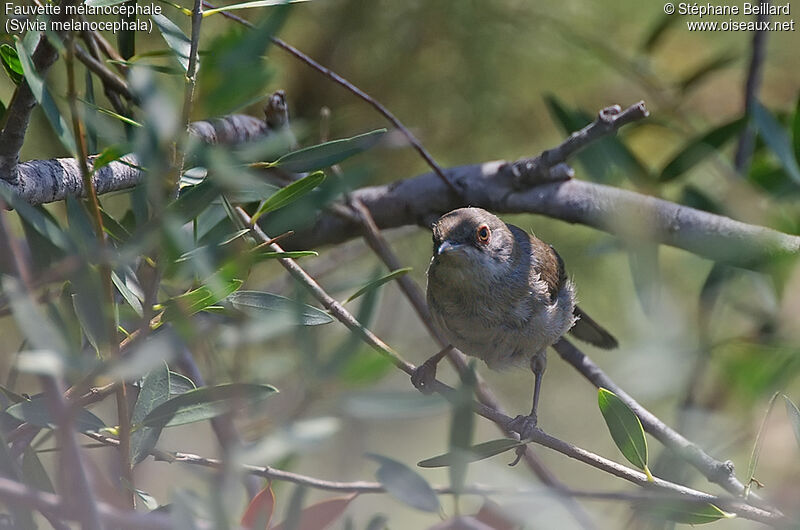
{"points": [[127, 294], [625, 429], [756, 452], [699, 148], [289, 194], [777, 140], [659, 29], [292, 254], [110, 154], [701, 72], [794, 417], [34, 472], [646, 273], [205, 403], [405, 484], [193, 200], [259, 303], [462, 429], [37, 413], [679, 511], [45, 100], [250, 5], [154, 391], [374, 284], [259, 512], [179, 384], [111, 113], [327, 154], [482, 451], [197, 300], [175, 38], [2, 111], [37, 328], [43, 224], [11, 64]]}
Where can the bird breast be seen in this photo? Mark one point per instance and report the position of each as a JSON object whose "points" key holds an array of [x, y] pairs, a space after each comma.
{"points": [[495, 317]]}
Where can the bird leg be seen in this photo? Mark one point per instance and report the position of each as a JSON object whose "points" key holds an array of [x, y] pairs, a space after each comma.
{"points": [[425, 374], [525, 425]]}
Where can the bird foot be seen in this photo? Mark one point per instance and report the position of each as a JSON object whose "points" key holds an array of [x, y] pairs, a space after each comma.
{"points": [[423, 377], [524, 425]]}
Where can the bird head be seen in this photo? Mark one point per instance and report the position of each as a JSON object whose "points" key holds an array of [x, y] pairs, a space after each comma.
{"points": [[471, 236]]}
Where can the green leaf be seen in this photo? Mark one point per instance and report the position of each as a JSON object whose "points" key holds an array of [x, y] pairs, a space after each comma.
{"points": [[327, 154], [289, 194], [205, 403], [179, 384], [249, 5], [193, 201], [405, 484], [777, 140], [34, 473], [89, 305], [11, 64], [756, 452], [462, 429], [625, 428], [794, 417], [111, 113], [293, 254], [482, 451], [197, 300], [154, 391], [45, 100], [699, 148], [374, 284], [127, 294], [43, 224], [263, 304], [37, 328], [22, 517], [110, 154], [680, 511], [175, 38], [36, 413]]}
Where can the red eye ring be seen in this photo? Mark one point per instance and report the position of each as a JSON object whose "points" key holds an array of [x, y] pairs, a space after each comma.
{"points": [[483, 234]]}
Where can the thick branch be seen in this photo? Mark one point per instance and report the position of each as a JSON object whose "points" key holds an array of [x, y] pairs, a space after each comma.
{"points": [[42, 181], [420, 200]]}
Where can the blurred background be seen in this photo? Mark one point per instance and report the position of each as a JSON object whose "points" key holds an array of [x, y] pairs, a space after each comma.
{"points": [[703, 347]]}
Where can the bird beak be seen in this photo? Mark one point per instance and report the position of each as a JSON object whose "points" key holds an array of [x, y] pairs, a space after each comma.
{"points": [[447, 246]]}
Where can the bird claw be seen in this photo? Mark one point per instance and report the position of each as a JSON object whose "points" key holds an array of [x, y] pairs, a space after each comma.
{"points": [[524, 425], [423, 377]]}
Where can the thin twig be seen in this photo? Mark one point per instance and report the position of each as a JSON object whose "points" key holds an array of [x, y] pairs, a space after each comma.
{"points": [[338, 79], [110, 80]]}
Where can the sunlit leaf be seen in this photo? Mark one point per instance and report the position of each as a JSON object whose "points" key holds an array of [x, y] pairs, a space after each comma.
{"points": [[293, 254], [625, 428], [777, 140], [289, 194], [327, 154], [475, 453], [175, 38], [205, 403], [680, 511], [36, 412], [111, 113], [697, 149], [259, 512], [11, 64], [197, 300], [259, 303], [154, 390], [45, 100], [374, 284], [405, 484], [110, 154]]}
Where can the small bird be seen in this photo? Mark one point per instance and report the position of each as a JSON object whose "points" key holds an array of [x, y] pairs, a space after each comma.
{"points": [[503, 296]]}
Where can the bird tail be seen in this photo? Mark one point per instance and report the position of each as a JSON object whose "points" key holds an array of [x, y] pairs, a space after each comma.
{"points": [[587, 330]]}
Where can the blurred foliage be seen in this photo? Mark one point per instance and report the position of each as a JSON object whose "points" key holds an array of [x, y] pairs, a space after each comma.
{"points": [[475, 81]]}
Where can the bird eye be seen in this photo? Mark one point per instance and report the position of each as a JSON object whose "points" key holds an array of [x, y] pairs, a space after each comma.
{"points": [[483, 234]]}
